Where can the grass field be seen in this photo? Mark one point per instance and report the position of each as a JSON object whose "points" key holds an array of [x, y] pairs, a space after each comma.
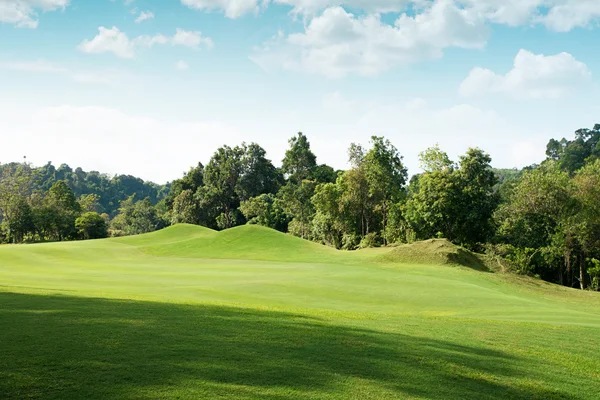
{"points": [[250, 313]]}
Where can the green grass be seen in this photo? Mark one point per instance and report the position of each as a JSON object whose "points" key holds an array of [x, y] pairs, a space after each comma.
{"points": [[250, 313]]}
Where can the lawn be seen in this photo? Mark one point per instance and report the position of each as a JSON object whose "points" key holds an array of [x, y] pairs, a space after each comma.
{"points": [[250, 313]]}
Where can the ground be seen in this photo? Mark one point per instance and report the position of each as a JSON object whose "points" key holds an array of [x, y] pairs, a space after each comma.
{"points": [[250, 313]]}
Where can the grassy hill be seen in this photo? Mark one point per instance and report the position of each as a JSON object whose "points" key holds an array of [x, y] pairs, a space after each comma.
{"points": [[250, 313]]}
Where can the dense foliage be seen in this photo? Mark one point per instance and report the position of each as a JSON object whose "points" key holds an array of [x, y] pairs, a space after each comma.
{"points": [[543, 220]]}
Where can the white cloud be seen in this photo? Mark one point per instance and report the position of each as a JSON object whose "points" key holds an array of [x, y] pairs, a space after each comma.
{"points": [[81, 76], [109, 41], [114, 41], [337, 43], [310, 7], [193, 39], [556, 15], [232, 8], [181, 65], [144, 16], [533, 76], [568, 15], [23, 13]]}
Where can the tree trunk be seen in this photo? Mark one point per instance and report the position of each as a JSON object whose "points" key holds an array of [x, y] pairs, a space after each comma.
{"points": [[581, 268]]}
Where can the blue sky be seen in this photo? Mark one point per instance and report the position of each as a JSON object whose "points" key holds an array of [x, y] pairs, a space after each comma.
{"points": [[151, 87]]}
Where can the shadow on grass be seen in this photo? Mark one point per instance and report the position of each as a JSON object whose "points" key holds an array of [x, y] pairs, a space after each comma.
{"points": [[72, 348]]}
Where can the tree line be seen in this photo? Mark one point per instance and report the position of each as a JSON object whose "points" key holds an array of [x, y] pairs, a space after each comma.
{"points": [[543, 220]]}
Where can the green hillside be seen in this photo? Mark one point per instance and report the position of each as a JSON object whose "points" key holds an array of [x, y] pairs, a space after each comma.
{"points": [[251, 313]]}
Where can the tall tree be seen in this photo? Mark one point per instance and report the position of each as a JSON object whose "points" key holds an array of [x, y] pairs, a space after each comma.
{"points": [[386, 175], [299, 161]]}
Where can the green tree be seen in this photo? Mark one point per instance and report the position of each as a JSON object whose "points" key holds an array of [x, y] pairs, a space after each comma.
{"points": [[386, 175], [477, 181], [221, 177], [434, 159], [265, 210], [66, 209], [21, 222], [258, 175], [91, 225], [185, 209], [328, 224], [89, 202], [299, 161], [587, 193], [297, 204]]}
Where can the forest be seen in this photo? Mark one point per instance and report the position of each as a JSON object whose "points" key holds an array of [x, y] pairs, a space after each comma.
{"points": [[543, 220]]}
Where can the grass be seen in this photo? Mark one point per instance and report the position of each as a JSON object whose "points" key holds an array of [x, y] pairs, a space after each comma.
{"points": [[249, 313]]}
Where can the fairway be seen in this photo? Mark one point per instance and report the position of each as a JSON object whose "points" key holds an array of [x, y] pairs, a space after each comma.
{"points": [[250, 313]]}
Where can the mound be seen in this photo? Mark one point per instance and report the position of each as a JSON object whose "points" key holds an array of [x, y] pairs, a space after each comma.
{"points": [[436, 252], [250, 242]]}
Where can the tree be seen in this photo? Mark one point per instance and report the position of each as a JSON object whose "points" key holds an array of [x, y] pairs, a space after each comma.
{"points": [[135, 217], [457, 204], [91, 225], [185, 209], [265, 210], [587, 193], [15, 185], [539, 215], [433, 207], [258, 175], [21, 222], [434, 159], [477, 181], [89, 202], [221, 177], [386, 176], [572, 155], [191, 181], [328, 222], [65, 209], [296, 203], [299, 161]]}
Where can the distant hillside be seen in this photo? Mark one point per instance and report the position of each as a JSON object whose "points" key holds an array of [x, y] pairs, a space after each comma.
{"points": [[110, 189]]}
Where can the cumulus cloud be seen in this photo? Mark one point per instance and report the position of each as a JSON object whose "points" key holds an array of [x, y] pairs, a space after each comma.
{"points": [[338, 43], [568, 15], [144, 16], [114, 41], [231, 8], [533, 76], [556, 15], [309, 7], [24, 13]]}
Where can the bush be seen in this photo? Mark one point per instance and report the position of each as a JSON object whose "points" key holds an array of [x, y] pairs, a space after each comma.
{"points": [[370, 240]]}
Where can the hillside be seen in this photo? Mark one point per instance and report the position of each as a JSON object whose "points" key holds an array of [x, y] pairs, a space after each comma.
{"points": [[249, 242], [251, 313], [435, 252]]}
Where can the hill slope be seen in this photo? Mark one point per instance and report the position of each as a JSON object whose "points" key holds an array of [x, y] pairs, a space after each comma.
{"points": [[435, 252], [247, 242]]}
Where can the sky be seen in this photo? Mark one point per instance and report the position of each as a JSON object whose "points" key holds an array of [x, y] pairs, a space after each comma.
{"points": [[152, 87]]}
